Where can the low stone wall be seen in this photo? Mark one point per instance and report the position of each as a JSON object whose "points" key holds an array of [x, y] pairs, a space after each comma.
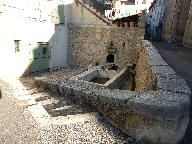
{"points": [[159, 116], [89, 44], [163, 76]]}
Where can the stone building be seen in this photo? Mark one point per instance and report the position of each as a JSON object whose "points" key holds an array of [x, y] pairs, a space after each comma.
{"points": [[187, 40], [176, 18]]}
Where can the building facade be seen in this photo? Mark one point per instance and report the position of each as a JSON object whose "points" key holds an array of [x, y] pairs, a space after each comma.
{"points": [[175, 19], [32, 37], [124, 8], [187, 39], [34, 34], [154, 17], [175, 16]]}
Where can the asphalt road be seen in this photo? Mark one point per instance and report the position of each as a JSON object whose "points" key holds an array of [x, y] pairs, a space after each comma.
{"points": [[180, 59]]}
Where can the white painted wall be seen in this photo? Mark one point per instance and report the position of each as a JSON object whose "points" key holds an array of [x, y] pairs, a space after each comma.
{"points": [[32, 21], [154, 16], [60, 44], [22, 20], [124, 10], [142, 6]]}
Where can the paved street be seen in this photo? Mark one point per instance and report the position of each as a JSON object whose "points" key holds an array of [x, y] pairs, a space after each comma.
{"points": [[16, 124], [180, 59]]}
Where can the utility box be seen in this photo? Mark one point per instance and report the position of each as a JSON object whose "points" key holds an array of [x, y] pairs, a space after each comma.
{"points": [[57, 15]]}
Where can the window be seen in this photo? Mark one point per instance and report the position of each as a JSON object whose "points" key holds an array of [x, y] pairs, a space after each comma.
{"points": [[17, 48], [45, 50], [110, 58]]}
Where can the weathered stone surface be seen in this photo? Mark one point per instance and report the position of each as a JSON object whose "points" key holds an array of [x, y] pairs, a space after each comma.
{"points": [[158, 62], [88, 45], [160, 104], [133, 112], [165, 69], [144, 79], [172, 83], [158, 112]]}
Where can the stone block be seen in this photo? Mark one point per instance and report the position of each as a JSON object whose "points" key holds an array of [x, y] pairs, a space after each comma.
{"points": [[165, 69], [173, 83]]}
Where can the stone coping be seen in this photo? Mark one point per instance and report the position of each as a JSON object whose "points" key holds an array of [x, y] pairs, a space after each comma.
{"points": [[167, 80], [159, 116], [163, 104]]}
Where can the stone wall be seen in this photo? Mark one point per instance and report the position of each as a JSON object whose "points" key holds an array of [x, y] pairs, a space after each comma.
{"points": [[158, 116], [89, 45], [30, 22], [168, 19], [182, 20]]}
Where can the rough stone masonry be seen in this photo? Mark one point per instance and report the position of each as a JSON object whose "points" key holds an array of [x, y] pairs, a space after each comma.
{"points": [[89, 44], [157, 112]]}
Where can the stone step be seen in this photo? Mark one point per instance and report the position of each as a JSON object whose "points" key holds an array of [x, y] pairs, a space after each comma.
{"points": [[56, 106]]}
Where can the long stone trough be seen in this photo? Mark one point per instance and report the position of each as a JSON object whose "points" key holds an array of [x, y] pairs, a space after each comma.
{"points": [[156, 112]]}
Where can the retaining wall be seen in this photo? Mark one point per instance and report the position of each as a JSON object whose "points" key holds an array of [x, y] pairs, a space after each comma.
{"points": [[88, 45], [158, 116]]}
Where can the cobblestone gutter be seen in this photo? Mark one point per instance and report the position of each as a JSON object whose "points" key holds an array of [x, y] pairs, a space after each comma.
{"points": [[157, 112]]}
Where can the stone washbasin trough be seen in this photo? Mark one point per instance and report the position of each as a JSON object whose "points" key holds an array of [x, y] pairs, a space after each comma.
{"points": [[155, 109]]}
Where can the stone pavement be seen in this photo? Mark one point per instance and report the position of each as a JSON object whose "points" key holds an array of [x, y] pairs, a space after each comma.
{"points": [[180, 59], [16, 124]]}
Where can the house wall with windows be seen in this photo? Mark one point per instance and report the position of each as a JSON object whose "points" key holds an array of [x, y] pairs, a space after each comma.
{"points": [[142, 5], [34, 34], [124, 8], [154, 16], [175, 16], [183, 17]]}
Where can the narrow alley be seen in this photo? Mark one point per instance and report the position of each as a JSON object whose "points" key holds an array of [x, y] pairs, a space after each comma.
{"points": [[179, 58]]}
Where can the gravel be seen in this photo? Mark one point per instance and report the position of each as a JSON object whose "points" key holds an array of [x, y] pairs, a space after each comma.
{"points": [[18, 126]]}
